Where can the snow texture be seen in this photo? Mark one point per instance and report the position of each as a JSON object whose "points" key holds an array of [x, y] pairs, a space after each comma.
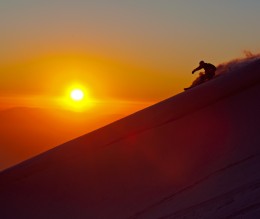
{"points": [[195, 155]]}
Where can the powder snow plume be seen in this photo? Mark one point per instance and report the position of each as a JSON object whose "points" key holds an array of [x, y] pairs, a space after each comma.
{"points": [[236, 64]]}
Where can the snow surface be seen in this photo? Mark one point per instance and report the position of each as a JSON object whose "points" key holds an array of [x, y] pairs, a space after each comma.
{"points": [[195, 155]]}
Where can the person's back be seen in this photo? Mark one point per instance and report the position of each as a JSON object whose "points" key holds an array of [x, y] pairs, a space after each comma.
{"points": [[210, 69]]}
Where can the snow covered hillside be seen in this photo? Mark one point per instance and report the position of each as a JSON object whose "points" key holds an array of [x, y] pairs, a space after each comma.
{"points": [[195, 155]]}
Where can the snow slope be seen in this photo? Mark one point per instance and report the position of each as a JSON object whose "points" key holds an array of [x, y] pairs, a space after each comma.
{"points": [[195, 155]]}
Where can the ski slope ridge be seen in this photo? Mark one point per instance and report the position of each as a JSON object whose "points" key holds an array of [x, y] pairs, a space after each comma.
{"points": [[195, 155]]}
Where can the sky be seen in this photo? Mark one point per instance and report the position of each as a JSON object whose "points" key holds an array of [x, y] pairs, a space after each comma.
{"points": [[137, 52]]}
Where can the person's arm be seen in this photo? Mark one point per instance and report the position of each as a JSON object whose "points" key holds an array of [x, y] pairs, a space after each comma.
{"points": [[196, 69]]}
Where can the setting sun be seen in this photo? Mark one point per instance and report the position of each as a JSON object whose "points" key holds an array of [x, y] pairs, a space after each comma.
{"points": [[77, 94], [77, 98]]}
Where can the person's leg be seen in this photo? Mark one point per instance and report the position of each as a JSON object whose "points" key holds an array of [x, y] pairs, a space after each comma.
{"points": [[199, 80], [210, 75], [202, 78]]}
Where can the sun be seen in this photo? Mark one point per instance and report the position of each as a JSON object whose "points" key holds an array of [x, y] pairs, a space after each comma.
{"points": [[77, 95], [77, 98]]}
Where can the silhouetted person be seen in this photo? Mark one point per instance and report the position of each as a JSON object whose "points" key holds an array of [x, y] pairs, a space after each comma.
{"points": [[208, 68], [209, 73]]}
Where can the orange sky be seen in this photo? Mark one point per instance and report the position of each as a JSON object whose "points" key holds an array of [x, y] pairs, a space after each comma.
{"points": [[44, 80], [119, 51]]}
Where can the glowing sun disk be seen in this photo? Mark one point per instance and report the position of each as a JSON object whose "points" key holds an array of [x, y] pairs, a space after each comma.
{"points": [[77, 94]]}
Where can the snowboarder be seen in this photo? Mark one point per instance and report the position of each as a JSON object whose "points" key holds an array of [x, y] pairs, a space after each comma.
{"points": [[209, 70], [209, 73]]}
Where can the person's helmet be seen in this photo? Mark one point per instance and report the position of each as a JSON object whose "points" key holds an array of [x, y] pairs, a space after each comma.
{"points": [[202, 62]]}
